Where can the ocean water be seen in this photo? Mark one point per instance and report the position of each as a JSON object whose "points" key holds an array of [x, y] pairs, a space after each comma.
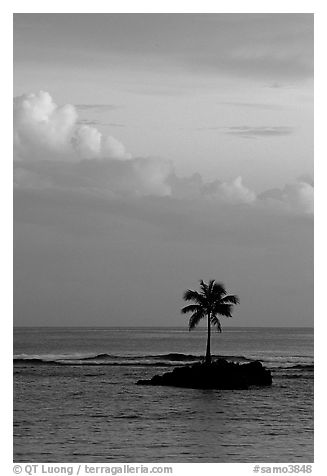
{"points": [[75, 397]]}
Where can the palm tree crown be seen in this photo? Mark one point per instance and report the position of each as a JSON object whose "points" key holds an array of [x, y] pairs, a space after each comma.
{"points": [[210, 302]]}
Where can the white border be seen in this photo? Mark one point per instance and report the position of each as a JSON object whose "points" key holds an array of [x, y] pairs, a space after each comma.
{"points": [[174, 6], [166, 6]]}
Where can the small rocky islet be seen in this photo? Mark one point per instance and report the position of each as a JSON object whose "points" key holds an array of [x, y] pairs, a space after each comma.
{"points": [[219, 374]]}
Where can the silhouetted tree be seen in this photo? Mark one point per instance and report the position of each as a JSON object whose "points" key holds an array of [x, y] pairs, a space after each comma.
{"points": [[210, 302]]}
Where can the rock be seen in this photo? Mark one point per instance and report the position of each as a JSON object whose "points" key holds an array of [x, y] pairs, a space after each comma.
{"points": [[220, 374]]}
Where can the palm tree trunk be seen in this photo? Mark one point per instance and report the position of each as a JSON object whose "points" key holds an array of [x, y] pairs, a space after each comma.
{"points": [[208, 354]]}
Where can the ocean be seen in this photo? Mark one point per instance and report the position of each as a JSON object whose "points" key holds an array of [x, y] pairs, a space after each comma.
{"points": [[76, 398]]}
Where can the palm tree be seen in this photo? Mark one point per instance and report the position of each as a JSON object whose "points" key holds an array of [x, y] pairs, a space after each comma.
{"points": [[210, 302]]}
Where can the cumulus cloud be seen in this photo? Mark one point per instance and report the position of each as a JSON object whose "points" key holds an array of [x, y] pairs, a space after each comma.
{"points": [[54, 151], [297, 197], [45, 131], [41, 128], [231, 192], [194, 187]]}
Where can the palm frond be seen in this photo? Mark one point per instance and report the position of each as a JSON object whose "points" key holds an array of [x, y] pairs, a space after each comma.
{"points": [[204, 287], [207, 288], [190, 295], [191, 308], [218, 290], [216, 322], [230, 299], [195, 319], [211, 285], [223, 309], [195, 296]]}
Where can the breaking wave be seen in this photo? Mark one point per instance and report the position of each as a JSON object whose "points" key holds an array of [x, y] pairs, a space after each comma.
{"points": [[159, 360], [282, 367]]}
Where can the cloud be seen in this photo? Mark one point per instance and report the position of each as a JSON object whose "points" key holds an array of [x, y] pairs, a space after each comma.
{"points": [[88, 122], [45, 131], [262, 131], [114, 124], [275, 85], [136, 177], [95, 122], [88, 142], [41, 128], [96, 107], [54, 152], [144, 177], [253, 105], [297, 197], [227, 192], [250, 131], [231, 192], [306, 178]]}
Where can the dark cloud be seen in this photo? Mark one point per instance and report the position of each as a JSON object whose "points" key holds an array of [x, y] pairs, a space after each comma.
{"points": [[254, 105], [260, 131], [96, 107], [88, 122], [275, 85], [271, 47], [114, 124], [95, 122], [135, 177]]}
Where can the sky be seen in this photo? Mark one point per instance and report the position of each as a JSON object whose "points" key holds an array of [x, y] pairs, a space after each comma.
{"points": [[155, 150]]}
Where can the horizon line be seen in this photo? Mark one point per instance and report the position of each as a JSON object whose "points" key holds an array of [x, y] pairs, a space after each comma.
{"points": [[157, 327]]}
